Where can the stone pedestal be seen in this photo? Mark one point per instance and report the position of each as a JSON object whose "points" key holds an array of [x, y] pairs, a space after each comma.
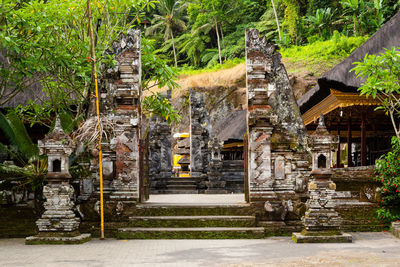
{"points": [[395, 229], [58, 224], [321, 221]]}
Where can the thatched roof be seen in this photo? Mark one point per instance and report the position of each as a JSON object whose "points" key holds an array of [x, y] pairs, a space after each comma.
{"points": [[232, 127], [340, 77]]}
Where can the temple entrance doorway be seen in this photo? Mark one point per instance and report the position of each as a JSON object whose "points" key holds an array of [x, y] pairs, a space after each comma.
{"points": [[203, 165]]}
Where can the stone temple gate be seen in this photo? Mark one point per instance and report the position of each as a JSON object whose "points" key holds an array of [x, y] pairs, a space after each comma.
{"points": [[288, 181], [278, 163]]}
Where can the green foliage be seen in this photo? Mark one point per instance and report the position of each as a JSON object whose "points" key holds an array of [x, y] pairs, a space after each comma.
{"points": [[157, 104], [29, 172], [213, 22], [23, 149], [338, 47], [47, 42], [189, 70], [291, 18], [382, 81], [321, 22], [388, 173]]}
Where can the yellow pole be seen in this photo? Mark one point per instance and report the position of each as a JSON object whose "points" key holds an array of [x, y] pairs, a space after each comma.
{"points": [[93, 54]]}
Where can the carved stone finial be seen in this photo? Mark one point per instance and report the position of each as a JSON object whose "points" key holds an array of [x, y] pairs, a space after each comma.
{"points": [[321, 128], [321, 122], [58, 127]]}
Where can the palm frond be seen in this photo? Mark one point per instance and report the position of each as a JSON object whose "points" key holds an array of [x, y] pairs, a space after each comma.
{"points": [[23, 141]]}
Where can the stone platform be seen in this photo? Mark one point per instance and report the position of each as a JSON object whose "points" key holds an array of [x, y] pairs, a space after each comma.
{"points": [[340, 238], [58, 240], [395, 229]]}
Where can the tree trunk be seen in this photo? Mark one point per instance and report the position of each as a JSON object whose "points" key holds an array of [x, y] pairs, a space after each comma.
{"points": [[219, 45], [216, 31], [277, 21], [222, 39], [354, 25], [173, 48]]}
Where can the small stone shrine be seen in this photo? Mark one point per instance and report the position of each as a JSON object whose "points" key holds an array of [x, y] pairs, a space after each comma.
{"points": [[322, 223], [215, 184], [58, 224]]}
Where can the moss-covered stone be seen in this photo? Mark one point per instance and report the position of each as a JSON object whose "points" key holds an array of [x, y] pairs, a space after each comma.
{"points": [[191, 234], [37, 240], [193, 221], [17, 221]]}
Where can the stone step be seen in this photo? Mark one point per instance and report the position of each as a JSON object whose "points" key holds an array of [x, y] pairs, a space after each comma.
{"points": [[181, 186], [192, 233], [182, 209], [180, 191], [178, 182], [192, 221]]}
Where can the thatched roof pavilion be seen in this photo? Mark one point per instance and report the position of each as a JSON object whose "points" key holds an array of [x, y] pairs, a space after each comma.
{"points": [[348, 114]]}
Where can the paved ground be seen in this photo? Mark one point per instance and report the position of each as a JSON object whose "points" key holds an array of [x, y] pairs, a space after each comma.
{"points": [[197, 199], [368, 249]]}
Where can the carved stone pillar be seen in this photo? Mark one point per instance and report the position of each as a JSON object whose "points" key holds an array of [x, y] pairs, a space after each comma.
{"points": [[160, 152], [58, 224], [200, 131], [123, 83], [278, 163]]}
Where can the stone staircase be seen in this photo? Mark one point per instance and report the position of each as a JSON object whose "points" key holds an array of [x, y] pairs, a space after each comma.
{"points": [[212, 221], [181, 186]]}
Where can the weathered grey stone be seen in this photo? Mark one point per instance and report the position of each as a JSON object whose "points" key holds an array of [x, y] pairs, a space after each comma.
{"points": [[322, 223], [200, 132], [58, 220], [395, 229], [215, 185], [122, 87], [277, 163], [160, 151]]}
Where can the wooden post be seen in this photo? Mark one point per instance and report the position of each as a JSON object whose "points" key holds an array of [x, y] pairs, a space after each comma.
{"points": [[338, 149], [246, 167], [363, 140], [94, 71], [349, 162]]}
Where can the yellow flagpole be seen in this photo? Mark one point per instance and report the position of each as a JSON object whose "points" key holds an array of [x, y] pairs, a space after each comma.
{"points": [[93, 55]]}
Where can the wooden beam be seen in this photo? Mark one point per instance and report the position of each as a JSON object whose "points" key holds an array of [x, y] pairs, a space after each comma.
{"points": [[338, 149], [363, 140], [349, 162]]}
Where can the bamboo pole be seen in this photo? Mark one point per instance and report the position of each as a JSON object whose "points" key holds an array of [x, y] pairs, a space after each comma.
{"points": [[93, 55]]}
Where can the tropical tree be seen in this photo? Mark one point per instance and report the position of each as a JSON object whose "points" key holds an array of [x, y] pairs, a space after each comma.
{"points": [[29, 170], [354, 10], [382, 81], [171, 17], [276, 19], [193, 44], [210, 15], [321, 21]]}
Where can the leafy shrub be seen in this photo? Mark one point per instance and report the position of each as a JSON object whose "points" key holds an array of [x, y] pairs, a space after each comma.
{"points": [[338, 47], [388, 173]]}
